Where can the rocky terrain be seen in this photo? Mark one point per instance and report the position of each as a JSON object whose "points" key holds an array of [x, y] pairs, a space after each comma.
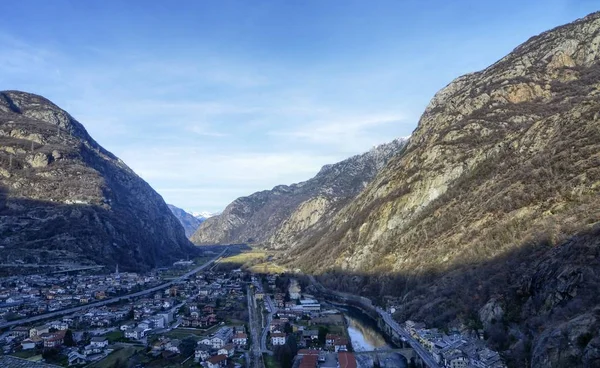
{"points": [[189, 222], [282, 217], [489, 217], [64, 198]]}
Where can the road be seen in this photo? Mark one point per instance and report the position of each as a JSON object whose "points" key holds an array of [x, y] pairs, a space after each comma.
{"points": [[111, 300], [253, 324], [272, 310], [419, 349]]}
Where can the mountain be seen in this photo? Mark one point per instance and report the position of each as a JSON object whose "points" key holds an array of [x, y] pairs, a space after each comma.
{"points": [[64, 198], [490, 216], [204, 215], [280, 217], [189, 222]]}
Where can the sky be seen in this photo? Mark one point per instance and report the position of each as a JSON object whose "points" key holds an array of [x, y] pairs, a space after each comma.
{"points": [[212, 100]]}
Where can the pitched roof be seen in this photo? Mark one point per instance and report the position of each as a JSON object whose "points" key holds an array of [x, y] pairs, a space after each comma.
{"points": [[217, 358], [308, 361], [346, 360]]}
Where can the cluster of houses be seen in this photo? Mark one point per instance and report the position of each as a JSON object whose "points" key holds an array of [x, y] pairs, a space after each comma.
{"points": [[455, 350], [53, 335], [309, 358], [25, 296], [298, 307], [215, 350]]}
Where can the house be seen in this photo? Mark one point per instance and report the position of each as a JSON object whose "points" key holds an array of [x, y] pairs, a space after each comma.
{"points": [[20, 332], [276, 325], [157, 322], [217, 361], [228, 350], [201, 354], [340, 344], [38, 330], [136, 333], [457, 360], [278, 339], [145, 324], [240, 339], [173, 346], [221, 337], [310, 335], [59, 325], [27, 344], [330, 340], [53, 340], [99, 342], [75, 358]]}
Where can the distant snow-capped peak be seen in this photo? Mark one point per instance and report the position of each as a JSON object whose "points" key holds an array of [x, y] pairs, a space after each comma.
{"points": [[203, 214]]}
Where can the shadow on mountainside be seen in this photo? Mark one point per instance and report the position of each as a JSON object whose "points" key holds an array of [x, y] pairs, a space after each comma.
{"points": [[539, 304], [36, 231]]}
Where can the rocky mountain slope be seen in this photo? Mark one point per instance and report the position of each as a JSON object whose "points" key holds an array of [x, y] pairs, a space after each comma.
{"points": [[494, 202], [65, 198], [281, 217], [189, 222]]}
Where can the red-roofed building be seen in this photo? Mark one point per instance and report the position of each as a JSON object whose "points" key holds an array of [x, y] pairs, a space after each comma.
{"points": [[340, 344], [217, 361], [308, 361], [346, 360]]}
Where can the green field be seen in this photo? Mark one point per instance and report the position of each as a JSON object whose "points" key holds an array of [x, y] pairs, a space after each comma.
{"points": [[245, 257], [270, 362], [180, 333], [121, 355]]}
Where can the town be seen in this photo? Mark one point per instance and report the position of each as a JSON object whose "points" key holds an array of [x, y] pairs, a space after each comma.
{"points": [[205, 313]]}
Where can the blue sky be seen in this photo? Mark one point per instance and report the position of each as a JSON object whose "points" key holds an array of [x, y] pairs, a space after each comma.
{"points": [[212, 100]]}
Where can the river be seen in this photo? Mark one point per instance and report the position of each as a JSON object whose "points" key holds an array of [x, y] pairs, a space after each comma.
{"points": [[366, 336], [363, 331]]}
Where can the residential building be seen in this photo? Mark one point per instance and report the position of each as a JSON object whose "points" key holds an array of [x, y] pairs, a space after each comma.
{"points": [[278, 339], [217, 361], [240, 339]]}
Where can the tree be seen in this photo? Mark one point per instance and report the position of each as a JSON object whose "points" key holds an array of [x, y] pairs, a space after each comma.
{"points": [[187, 346], [130, 314], [69, 338], [323, 331]]}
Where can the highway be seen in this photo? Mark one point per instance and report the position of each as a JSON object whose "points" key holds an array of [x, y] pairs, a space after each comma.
{"points": [[419, 349], [111, 300]]}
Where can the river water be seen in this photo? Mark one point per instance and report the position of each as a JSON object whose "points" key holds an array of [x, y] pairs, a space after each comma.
{"points": [[366, 336], [363, 331]]}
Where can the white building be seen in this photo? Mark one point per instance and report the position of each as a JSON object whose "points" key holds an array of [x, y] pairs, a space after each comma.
{"points": [[278, 339]]}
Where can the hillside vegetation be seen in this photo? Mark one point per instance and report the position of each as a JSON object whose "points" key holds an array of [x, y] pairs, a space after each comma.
{"points": [[494, 200]]}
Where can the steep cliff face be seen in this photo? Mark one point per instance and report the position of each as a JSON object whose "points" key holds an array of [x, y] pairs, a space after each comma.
{"points": [[280, 217], [189, 222], [66, 199], [496, 187]]}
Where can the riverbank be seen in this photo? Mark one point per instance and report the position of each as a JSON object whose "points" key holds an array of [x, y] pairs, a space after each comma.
{"points": [[370, 344]]}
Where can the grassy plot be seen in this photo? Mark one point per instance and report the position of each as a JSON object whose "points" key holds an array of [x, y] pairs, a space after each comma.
{"points": [[118, 356], [257, 261], [267, 267], [181, 333], [270, 362], [245, 257]]}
